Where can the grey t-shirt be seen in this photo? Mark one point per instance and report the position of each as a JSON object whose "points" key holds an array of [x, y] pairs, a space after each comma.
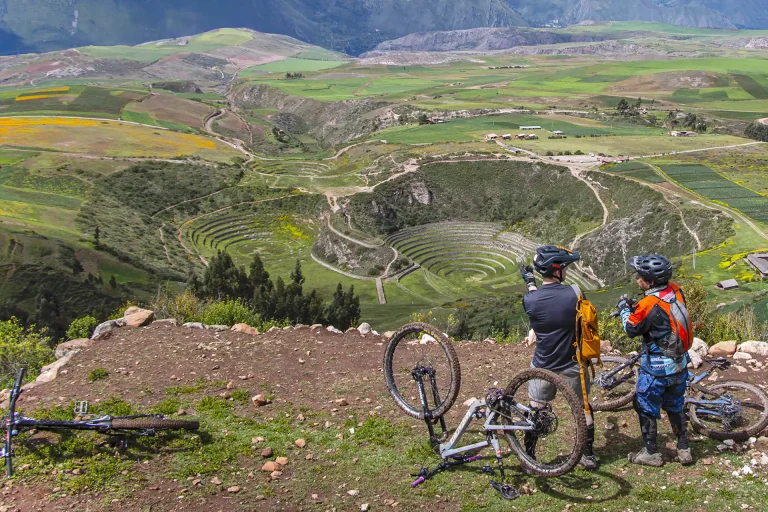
{"points": [[552, 311]]}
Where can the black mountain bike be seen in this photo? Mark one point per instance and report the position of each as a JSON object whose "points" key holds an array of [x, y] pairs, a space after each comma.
{"points": [[423, 376], [724, 410], [120, 426]]}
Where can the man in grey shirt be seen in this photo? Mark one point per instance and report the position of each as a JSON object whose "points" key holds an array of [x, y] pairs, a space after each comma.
{"points": [[552, 312]]}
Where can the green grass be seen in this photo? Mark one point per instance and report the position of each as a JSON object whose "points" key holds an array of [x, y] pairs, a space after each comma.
{"points": [[292, 65], [706, 182]]}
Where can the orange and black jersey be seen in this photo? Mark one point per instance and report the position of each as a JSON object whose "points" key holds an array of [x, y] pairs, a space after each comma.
{"points": [[662, 319]]}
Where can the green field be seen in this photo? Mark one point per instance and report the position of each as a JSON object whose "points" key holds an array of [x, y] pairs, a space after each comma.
{"points": [[706, 182]]}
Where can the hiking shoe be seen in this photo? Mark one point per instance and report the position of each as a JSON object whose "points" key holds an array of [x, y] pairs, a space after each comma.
{"points": [[684, 457], [645, 458], [588, 462]]}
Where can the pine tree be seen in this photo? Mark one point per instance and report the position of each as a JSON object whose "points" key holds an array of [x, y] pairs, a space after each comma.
{"points": [[97, 237], [113, 282]]}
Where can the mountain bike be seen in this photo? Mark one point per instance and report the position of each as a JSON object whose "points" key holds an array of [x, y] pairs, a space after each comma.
{"points": [[119, 426], [423, 376], [724, 410]]}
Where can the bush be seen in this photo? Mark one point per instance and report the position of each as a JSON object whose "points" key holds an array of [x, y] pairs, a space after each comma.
{"points": [[21, 347], [611, 329], [227, 312], [97, 374], [81, 327]]}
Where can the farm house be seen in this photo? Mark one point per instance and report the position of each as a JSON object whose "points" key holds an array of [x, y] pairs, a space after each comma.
{"points": [[759, 261], [682, 133], [506, 136], [558, 132], [530, 127], [491, 136]]}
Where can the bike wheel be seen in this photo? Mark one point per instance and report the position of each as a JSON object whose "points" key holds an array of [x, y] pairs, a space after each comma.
{"points": [[154, 424], [434, 358], [743, 417], [613, 392], [561, 427]]}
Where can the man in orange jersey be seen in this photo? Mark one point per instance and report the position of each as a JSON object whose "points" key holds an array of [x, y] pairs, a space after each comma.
{"points": [[661, 318]]}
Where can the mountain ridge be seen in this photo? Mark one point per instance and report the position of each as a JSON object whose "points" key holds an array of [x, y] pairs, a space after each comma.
{"points": [[351, 26]]}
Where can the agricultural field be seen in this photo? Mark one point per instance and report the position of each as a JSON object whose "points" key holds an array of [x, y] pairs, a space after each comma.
{"points": [[704, 181], [107, 138], [635, 169], [168, 111]]}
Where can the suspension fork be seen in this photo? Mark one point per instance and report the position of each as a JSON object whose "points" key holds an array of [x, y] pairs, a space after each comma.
{"points": [[428, 419]]}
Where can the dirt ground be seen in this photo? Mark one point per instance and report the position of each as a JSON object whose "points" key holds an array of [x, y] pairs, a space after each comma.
{"points": [[303, 369]]}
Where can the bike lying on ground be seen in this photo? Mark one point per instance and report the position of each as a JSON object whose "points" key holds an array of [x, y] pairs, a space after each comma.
{"points": [[136, 425], [423, 376], [724, 410]]}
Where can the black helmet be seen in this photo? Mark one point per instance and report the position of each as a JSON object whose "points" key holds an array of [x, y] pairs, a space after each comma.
{"points": [[654, 268], [550, 258]]}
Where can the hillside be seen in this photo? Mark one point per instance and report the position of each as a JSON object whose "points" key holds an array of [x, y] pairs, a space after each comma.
{"points": [[351, 26]]}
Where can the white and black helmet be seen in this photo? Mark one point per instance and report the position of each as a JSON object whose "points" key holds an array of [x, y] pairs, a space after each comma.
{"points": [[551, 258], [654, 268]]}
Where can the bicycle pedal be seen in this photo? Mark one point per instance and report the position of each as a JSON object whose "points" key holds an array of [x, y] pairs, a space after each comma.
{"points": [[81, 408], [507, 491], [487, 469]]}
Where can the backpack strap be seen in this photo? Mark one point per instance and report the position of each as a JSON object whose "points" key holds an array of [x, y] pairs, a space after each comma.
{"points": [[584, 366]]}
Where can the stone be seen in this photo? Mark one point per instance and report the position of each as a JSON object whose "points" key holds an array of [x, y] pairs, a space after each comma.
{"points": [[341, 402], [334, 330], [217, 328], [742, 356], [316, 326], [260, 401], [266, 452], [71, 347], [700, 347], [275, 475], [755, 348], [138, 317], [309, 456], [194, 325], [389, 334], [301, 443], [234, 489], [51, 371], [181, 412], [215, 481], [364, 507], [270, 466], [426, 339], [740, 369], [723, 349], [104, 330], [353, 492], [364, 328], [172, 322], [283, 461], [245, 329], [257, 440], [696, 359], [606, 347]]}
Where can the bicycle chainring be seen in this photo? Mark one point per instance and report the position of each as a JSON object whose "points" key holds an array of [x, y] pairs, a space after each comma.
{"points": [[730, 413]]}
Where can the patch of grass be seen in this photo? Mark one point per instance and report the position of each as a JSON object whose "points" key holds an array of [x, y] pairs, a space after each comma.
{"points": [[241, 396], [198, 386], [97, 374]]}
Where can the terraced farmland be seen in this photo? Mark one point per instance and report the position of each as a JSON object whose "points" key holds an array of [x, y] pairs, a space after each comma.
{"points": [[637, 170], [703, 180], [469, 250]]}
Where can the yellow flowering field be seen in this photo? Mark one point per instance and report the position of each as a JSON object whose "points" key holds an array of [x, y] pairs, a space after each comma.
{"points": [[108, 138]]}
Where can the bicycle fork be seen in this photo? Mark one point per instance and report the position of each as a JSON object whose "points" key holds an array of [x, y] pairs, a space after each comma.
{"points": [[418, 374]]}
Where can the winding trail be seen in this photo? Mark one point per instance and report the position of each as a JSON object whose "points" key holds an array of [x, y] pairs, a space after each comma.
{"points": [[353, 240], [339, 271], [189, 201], [165, 248], [696, 150]]}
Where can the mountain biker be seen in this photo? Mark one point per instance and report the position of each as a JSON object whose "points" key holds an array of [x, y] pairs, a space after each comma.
{"points": [[552, 312], [661, 318]]}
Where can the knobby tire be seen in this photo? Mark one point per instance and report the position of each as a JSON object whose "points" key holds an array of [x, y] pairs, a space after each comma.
{"points": [[738, 435], [618, 403], [154, 424], [415, 410], [577, 411]]}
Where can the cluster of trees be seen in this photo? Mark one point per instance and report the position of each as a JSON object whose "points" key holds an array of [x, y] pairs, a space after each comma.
{"points": [[625, 108], [293, 76], [275, 300], [690, 121], [757, 131]]}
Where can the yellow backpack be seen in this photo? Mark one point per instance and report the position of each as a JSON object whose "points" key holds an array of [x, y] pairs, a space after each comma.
{"points": [[587, 339]]}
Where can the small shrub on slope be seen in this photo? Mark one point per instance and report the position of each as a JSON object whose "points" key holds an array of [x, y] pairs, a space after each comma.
{"points": [[19, 347], [82, 327]]}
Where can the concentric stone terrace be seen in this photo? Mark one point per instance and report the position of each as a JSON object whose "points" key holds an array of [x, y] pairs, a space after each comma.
{"points": [[476, 250]]}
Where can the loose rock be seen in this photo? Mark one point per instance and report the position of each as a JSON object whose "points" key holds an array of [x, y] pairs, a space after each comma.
{"points": [[245, 329], [270, 466], [723, 349], [260, 401], [755, 348], [301, 443], [364, 328], [138, 317]]}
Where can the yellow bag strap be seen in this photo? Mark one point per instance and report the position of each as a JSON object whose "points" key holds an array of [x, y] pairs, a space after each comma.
{"points": [[583, 367]]}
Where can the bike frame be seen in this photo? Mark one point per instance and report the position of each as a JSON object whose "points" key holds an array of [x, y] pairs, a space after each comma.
{"points": [[693, 382]]}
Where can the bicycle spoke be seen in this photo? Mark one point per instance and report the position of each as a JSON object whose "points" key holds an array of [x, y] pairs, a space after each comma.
{"points": [[415, 352]]}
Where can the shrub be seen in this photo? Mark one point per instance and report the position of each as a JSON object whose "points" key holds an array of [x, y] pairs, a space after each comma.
{"points": [[97, 374], [81, 327], [227, 312], [184, 307], [19, 347]]}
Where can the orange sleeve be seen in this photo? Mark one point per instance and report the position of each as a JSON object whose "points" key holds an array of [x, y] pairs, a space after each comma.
{"points": [[642, 310]]}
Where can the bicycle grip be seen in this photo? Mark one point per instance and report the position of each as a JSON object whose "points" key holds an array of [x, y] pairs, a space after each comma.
{"points": [[418, 481]]}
